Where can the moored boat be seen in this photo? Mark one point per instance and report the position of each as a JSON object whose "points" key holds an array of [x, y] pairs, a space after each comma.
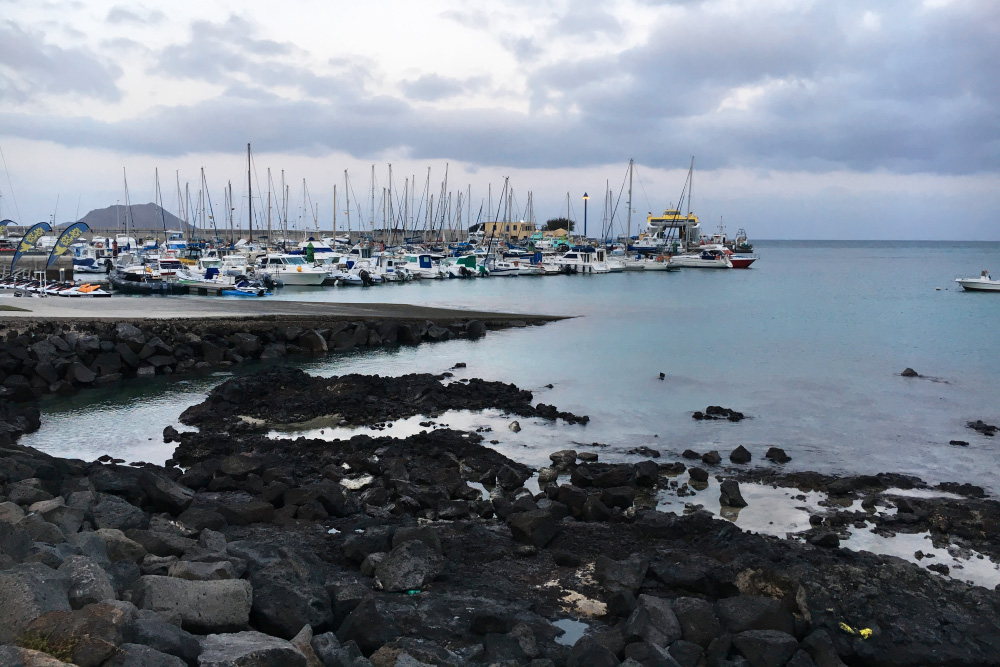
{"points": [[984, 283]]}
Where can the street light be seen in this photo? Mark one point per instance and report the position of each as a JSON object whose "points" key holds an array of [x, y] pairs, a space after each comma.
{"points": [[585, 198]]}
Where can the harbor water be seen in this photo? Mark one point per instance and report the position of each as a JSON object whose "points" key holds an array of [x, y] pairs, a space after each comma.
{"points": [[809, 344]]}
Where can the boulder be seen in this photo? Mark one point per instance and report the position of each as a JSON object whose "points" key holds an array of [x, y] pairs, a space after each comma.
{"points": [[754, 612], [41, 530], [536, 527], [685, 653], [777, 455], [368, 626], [137, 655], [766, 648], [88, 582], [621, 575], [699, 475], [205, 606], [199, 518], [244, 513], [196, 571], [239, 466], [15, 542], [411, 565], [729, 494], [653, 621], [312, 342], [697, 620], [91, 634], [151, 629], [740, 455], [711, 458], [26, 592], [10, 512], [287, 597], [15, 656], [647, 473], [27, 492], [164, 494], [120, 547], [248, 649], [113, 512]]}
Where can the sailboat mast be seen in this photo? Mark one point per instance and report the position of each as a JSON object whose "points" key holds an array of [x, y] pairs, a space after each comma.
{"points": [[250, 195], [347, 195], [628, 231]]}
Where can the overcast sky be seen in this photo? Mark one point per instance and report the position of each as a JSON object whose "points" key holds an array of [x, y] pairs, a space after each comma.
{"points": [[822, 119]]}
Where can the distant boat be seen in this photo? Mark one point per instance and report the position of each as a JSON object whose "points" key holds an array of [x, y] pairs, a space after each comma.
{"points": [[984, 283]]}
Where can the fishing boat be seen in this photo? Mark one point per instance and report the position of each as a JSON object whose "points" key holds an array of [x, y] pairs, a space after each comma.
{"points": [[984, 283]]}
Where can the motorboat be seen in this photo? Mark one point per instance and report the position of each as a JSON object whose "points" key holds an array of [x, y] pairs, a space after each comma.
{"points": [[583, 260], [984, 283], [292, 269], [421, 265], [708, 258]]}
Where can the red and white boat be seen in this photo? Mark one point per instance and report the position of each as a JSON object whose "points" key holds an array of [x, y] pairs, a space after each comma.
{"points": [[740, 261]]}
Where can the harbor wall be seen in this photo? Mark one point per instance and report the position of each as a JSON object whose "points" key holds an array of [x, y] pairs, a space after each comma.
{"points": [[38, 358]]}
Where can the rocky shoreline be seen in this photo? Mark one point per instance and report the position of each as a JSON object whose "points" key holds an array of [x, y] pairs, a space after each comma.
{"points": [[435, 549]]}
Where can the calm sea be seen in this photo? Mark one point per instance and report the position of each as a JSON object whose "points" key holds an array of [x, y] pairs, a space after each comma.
{"points": [[808, 343]]}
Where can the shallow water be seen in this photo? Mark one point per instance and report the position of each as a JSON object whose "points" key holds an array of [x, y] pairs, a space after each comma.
{"points": [[808, 343]]}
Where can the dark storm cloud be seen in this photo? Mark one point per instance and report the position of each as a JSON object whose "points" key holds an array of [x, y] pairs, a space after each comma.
{"points": [[29, 65]]}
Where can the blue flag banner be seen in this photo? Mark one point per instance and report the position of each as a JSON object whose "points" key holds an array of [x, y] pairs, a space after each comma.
{"points": [[29, 240], [3, 226], [66, 239]]}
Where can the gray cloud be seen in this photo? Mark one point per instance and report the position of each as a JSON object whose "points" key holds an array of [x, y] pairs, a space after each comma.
{"points": [[140, 16], [918, 95], [30, 65], [432, 87]]}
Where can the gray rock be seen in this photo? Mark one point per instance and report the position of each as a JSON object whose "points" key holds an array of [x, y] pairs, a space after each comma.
{"points": [[326, 647], [754, 612], [136, 655], [10, 512], [425, 534], [161, 543], [740, 455], [536, 527], [621, 575], [26, 592], [27, 491], [164, 494], [729, 494], [151, 629], [41, 530], [113, 512], [194, 571], [697, 619], [157, 564], [766, 648], [91, 545], [198, 518], [15, 656], [287, 597], [205, 606], [411, 565], [15, 542], [88, 582], [369, 626], [687, 654], [121, 547], [248, 649], [652, 621]]}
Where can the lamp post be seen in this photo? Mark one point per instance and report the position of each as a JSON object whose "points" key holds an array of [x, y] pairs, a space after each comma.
{"points": [[585, 198]]}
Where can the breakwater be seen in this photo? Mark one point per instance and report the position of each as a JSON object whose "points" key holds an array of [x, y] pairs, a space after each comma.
{"points": [[60, 357]]}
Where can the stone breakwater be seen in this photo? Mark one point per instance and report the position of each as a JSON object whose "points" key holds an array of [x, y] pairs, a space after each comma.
{"points": [[59, 357], [427, 550]]}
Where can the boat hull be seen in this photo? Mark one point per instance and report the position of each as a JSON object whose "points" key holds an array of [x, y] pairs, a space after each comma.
{"points": [[741, 261], [979, 284]]}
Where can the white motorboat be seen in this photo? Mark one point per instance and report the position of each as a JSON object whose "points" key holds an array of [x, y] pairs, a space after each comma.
{"points": [[984, 283], [583, 260], [292, 269], [710, 258], [422, 265]]}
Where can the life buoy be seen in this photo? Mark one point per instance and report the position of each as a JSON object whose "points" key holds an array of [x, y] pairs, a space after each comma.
{"points": [[299, 269], [98, 245]]}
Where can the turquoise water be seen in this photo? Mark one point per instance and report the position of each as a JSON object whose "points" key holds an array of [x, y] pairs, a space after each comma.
{"points": [[808, 343]]}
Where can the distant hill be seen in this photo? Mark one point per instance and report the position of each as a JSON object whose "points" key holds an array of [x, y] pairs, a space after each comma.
{"points": [[141, 218]]}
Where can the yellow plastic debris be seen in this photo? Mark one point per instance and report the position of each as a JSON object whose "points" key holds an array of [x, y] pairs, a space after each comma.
{"points": [[864, 632]]}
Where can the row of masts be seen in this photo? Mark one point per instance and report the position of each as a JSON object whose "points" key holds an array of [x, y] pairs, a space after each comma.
{"points": [[393, 214]]}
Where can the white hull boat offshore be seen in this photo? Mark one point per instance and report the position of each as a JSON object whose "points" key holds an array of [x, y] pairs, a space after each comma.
{"points": [[983, 283], [706, 259]]}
